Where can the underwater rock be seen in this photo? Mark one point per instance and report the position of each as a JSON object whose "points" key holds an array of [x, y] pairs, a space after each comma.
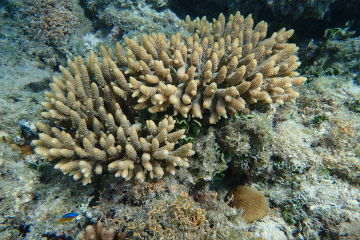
{"points": [[131, 18], [47, 25]]}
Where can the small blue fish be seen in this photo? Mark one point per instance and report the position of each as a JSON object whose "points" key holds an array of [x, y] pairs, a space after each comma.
{"points": [[68, 217]]}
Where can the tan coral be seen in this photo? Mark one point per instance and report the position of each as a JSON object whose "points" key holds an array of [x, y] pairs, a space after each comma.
{"points": [[92, 132], [222, 68], [254, 203], [99, 232]]}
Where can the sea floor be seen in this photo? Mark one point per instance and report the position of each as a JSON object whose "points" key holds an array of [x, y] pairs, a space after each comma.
{"points": [[308, 165]]}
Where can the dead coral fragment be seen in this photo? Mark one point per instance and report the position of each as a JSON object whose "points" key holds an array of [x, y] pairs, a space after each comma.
{"points": [[185, 212], [94, 132], [223, 67], [253, 202], [181, 218]]}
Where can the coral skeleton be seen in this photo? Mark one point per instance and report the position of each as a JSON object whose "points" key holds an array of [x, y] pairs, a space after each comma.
{"points": [[92, 131], [220, 69]]}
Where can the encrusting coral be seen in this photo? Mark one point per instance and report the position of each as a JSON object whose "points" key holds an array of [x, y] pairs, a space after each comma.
{"points": [[93, 132], [253, 202], [223, 67]]}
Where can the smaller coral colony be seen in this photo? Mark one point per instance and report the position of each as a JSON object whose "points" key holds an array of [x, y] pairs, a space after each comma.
{"points": [[94, 108]]}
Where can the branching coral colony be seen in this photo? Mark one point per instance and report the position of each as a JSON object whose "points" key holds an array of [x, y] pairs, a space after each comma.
{"points": [[95, 132], [220, 69]]}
